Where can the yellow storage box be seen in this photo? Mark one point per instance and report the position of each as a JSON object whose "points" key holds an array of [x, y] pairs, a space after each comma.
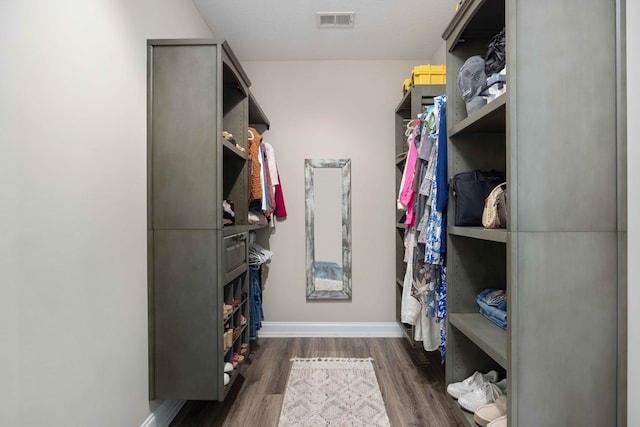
{"points": [[429, 74], [406, 86]]}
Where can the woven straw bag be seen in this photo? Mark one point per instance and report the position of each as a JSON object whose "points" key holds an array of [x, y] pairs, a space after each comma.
{"points": [[495, 201]]}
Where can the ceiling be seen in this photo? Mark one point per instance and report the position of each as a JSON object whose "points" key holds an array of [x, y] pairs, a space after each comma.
{"points": [[261, 30]]}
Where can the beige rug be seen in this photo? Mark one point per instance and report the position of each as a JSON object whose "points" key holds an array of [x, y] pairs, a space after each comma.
{"points": [[333, 392]]}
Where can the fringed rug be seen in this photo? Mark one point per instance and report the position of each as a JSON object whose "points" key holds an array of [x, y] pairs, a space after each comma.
{"points": [[333, 392]]}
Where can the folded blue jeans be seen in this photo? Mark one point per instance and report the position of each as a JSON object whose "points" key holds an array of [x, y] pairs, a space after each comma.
{"points": [[493, 311], [500, 323], [494, 297]]}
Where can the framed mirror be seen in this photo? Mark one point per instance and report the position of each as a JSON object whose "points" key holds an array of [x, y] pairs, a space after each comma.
{"points": [[328, 228]]}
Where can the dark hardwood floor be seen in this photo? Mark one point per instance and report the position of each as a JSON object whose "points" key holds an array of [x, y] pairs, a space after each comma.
{"points": [[411, 381]]}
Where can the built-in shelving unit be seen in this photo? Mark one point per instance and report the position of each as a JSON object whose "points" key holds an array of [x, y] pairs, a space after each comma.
{"points": [[197, 264], [560, 259]]}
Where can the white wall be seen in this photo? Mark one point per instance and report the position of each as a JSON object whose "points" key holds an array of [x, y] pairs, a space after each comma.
{"points": [[440, 56], [633, 199], [334, 109], [73, 300]]}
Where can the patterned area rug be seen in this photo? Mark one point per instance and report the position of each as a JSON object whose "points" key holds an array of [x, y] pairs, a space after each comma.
{"points": [[333, 392]]}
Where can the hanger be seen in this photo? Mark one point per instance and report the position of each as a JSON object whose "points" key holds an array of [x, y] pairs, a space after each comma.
{"points": [[252, 137]]}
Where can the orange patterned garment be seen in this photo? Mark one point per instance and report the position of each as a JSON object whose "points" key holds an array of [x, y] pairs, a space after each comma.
{"points": [[255, 177]]}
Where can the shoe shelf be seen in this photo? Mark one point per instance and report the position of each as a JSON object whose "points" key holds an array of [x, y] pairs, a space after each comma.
{"points": [[466, 418], [230, 151], [494, 235], [489, 337]]}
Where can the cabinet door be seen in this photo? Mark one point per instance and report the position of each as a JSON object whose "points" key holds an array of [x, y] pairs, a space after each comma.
{"points": [[187, 316], [184, 133]]}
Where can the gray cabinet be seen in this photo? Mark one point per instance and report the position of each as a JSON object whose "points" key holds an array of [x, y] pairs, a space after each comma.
{"points": [[196, 89], [413, 102], [554, 132]]}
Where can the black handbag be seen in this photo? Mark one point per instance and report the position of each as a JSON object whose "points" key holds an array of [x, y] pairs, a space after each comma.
{"points": [[470, 189]]}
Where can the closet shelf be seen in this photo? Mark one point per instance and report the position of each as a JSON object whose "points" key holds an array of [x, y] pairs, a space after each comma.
{"points": [[466, 418], [401, 226], [399, 282], [481, 233], [490, 118], [475, 19], [405, 104], [257, 118], [230, 151], [489, 337]]}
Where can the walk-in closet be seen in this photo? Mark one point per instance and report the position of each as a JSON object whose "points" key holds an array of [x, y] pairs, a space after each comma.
{"points": [[355, 213]]}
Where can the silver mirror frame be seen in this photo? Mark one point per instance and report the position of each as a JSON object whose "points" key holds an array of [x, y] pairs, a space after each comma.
{"points": [[345, 166]]}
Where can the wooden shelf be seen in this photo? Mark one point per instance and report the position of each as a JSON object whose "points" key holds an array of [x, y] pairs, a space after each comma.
{"points": [[257, 118], [480, 233], [466, 418], [489, 118], [475, 19], [230, 150], [482, 332]]}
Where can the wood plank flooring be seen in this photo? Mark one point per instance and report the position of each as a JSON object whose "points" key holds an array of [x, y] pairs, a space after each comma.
{"points": [[411, 381]]}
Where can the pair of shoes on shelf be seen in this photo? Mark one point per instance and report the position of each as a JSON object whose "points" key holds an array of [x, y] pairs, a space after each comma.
{"points": [[486, 415], [237, 358], [226, 310], [243, 320], [244, 347], [227, 379], [476, 380], [236, 302], [477, 390], [483, 395], [228, 338], [236, 332]]}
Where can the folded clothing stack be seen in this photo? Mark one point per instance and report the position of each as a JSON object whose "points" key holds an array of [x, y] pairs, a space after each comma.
{"points": [[493, 306]]}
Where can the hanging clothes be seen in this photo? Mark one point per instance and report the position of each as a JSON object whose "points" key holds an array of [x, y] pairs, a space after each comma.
{"points": [[407, 193], [254, 140], [281, 209], [424, 192], [257, 257], [256, 315]]}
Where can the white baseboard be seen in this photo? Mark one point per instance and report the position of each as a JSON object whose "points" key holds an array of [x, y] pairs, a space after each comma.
{"points": [[164, 414], [330, 329]]}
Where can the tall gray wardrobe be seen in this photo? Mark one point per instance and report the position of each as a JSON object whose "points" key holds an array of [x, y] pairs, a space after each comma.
{"points": [[556, 133], [196, 90]]}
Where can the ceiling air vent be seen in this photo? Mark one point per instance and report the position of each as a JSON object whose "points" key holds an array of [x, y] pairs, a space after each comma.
{"points": [[335, 19]]}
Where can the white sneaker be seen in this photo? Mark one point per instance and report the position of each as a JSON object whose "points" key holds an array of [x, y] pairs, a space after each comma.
{"points": [[227, 378], [502, 385], [474, 381], [486, 393]]}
